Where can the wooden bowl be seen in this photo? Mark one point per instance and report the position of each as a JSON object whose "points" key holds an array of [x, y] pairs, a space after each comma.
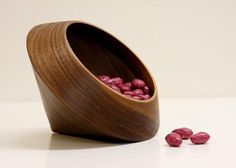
{"points": [[66, 58]]}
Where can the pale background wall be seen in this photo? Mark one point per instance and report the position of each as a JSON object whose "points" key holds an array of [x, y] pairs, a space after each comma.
{"points": [[189, 45]]}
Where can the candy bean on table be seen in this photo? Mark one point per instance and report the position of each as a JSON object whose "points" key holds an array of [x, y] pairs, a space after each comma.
{"points": [[184, 132], [173, 139], [200, 138]]}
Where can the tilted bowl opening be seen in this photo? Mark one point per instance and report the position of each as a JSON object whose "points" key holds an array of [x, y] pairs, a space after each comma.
{"points": [[101, 53]]}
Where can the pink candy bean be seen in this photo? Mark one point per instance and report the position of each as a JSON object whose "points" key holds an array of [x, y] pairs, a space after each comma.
{"points": [[124, 87], [136, 89], [115, 81], [184, 132], [114, 87], [200, 138], [146, 90], [137, 84], [173, 139], [104, 78], [137, 92]]}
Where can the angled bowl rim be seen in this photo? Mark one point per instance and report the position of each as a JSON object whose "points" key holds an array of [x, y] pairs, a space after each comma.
{"points": [[154, 95]]}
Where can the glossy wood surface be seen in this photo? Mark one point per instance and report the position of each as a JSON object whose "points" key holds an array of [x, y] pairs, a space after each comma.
{"points": [[66, 58]]}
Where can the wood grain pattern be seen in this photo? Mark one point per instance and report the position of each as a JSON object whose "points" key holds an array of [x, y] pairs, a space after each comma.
{"points": [[66, 58]]}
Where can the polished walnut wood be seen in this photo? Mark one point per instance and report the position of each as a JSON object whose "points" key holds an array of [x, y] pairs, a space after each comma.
{"points": [[66, 58]]}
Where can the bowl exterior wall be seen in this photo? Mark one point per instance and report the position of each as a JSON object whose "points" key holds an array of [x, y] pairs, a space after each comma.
{"points": [[76, 102]]}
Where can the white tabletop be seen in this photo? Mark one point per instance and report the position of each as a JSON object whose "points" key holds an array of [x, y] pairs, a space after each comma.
{"points": [[27, 141]]}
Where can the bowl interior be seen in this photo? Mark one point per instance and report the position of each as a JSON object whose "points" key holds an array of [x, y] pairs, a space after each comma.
{"points": [[101, 53]]}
